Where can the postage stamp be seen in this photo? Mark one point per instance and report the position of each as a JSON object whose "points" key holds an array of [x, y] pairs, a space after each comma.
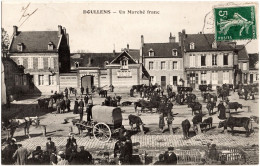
{"points": [[235, 23]]}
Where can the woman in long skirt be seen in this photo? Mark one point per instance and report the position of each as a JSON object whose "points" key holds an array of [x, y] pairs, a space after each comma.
{"points": [[76, 107]]}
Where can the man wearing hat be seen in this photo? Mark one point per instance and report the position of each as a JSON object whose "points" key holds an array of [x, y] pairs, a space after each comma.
{"points": [[84, 157], [81, 106], [221, 110], [170, 157], [50, 146]]}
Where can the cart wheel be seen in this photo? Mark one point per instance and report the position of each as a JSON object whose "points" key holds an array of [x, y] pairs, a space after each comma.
{"points": [[102, 132]]}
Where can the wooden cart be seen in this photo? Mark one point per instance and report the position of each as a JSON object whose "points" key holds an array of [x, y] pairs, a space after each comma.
{"points": [[106, 121]]}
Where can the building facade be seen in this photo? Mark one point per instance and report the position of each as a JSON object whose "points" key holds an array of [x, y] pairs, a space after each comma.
{"points": [[163, 62], [206, 61], [253, 68], [43, 55]]}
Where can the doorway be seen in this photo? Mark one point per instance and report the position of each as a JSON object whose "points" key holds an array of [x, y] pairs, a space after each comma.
{"points": [[87, 81], [175, 80], [163, 82], [251, 78]]}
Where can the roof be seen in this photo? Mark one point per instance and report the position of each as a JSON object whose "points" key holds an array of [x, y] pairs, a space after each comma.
{"points": [[135, 53], [96, 59], [35, 41], [242, 53], [253, 60], [203, 42], [122, 55], [163, 50]]}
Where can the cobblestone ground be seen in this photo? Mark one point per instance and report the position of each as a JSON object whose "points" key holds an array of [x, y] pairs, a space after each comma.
{"points": [[153, 139]]}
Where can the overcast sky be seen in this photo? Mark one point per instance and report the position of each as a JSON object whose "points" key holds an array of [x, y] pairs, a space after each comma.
{"points": [[100, 32]]}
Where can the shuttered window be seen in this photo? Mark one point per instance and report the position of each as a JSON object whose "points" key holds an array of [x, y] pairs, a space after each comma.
{"points": [[30, 63]]}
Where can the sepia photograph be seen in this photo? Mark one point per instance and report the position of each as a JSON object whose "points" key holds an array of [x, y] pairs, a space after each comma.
{"points": [[129, 82]]}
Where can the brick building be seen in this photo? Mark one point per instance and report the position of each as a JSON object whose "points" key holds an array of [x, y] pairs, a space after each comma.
{"points": [[253, 68], [43, 55], [163, 61], [207, 61]]}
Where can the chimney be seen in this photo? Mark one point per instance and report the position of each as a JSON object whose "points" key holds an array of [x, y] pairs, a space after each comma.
{"points": [[15, 30], [60, 30], [142, 40], [68, 39], [64, 30], [171, 38], [127, 47]]}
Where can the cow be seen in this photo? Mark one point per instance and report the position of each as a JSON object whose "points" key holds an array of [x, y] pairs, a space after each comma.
{"points": [[195, 106], [206, 122], [196, 120], [137, 87], [234, 105], [133, 119], [210, 106], [126, 103], [236, 122], [103, 93], [185, 128]]}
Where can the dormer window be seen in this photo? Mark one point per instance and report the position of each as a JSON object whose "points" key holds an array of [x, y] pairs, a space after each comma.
{"points": [[124, 63], [174, 52], [151, 52], [214, 44], [20, 61], [50, 46], [20, 46], [76, 64], [192, 46]]}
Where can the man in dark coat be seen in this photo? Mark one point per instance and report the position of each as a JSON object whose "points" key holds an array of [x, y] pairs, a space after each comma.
{"points": [[67, 104], [8, 152], [87, 90], [76, 107], [82, 90], [84, 157], [50, 146], [89, 112], [62, 105], [86, 99], [222, 110], [21, 155], [81, 107], [66, 92], [170, 157]]}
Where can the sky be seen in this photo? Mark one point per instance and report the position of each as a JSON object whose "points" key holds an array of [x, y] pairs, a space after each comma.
{"points": [[103, 32]]}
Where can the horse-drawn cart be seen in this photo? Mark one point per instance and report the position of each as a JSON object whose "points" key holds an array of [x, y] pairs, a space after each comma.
{"points": [[106, 122]]}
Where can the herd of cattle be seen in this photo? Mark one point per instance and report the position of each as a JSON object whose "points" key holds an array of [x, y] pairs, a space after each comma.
{"points": [[153, 97]]}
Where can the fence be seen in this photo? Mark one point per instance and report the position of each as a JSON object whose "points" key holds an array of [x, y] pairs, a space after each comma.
{"points": [[188, 156], [231, 154]]}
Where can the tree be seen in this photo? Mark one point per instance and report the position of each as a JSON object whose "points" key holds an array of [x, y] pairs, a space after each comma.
{"points": [[5, 40]]}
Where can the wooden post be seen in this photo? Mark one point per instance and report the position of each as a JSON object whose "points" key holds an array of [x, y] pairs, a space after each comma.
{"points": [[44, 130]]}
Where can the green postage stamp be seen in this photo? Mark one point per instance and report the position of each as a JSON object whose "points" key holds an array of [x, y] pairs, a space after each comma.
{"points": [[235, 23]]}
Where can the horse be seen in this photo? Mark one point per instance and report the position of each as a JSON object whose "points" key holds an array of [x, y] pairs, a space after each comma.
{"points": [[22, 123]]}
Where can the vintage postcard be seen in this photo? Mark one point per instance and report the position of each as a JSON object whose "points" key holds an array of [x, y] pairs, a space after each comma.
{"points": [[132, 83]]}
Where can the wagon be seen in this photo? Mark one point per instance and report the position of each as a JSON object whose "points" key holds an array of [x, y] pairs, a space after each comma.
{"points": [[106, 122]]}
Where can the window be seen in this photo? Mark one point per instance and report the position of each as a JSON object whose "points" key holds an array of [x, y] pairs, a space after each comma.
{"points": [[256, 77], [40, 63], [51, 63], [124, 64], [50, 46], [41, 79], [225, 77], [203, 60], [174, 80], [244, 66], [51, 79], [214, 59], [152, 79], [16, 78], [76, 64], [163, 65], [124, 74], [174, 65], [24, 80], [188, 78], [20, 46], [30, 63], [174, 52], [203, 78], [151, 52], [214, 77], [214, 44], [192, 46], [192, 60], [20, 61], [225, 59], [150, 65]]}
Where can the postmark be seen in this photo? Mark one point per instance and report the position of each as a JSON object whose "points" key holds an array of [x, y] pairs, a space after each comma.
{"points": [[235, 23]]}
